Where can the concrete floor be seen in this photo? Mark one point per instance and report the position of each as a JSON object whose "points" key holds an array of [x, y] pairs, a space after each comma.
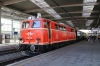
{"points": [[78, 54]]}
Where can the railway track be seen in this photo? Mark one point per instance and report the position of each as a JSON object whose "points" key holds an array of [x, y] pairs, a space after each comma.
{"points": [[7, 47], [7, 52], [11, 56]]}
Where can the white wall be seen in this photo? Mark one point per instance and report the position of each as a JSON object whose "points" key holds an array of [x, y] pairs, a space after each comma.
{"points": [[6, 28]]}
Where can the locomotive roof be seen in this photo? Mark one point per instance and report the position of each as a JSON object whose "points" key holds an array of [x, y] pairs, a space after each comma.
{"points": [[47, 20]]}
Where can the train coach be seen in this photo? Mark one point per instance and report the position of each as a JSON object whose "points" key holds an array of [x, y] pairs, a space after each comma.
{"points": [[40, 35]]}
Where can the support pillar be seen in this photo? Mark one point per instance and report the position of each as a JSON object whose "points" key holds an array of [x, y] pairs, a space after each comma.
{"points": [[12, 30], [0, 27], [0, 20]]}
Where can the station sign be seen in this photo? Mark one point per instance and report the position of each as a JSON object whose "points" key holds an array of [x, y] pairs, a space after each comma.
{"points": [[15, 33]]}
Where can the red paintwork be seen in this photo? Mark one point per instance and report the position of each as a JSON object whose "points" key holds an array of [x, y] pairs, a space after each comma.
{"points": [[42, 33]]}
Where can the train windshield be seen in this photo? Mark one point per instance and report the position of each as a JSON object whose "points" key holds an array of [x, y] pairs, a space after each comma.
{"points": [[36, 24], [25, 25]]}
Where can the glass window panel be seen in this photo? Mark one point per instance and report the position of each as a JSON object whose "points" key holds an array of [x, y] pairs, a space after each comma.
{"points": [[18, 30], [25, 25], [6, 28], [16, 25], [6, 21], [36, 24]]}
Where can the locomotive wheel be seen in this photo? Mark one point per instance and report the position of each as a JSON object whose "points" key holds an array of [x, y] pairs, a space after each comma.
{"points": [[32, 47], [18, 47], [49, 48]]}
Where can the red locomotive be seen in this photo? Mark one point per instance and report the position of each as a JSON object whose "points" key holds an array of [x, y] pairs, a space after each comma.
{"points": [[40, 34]]}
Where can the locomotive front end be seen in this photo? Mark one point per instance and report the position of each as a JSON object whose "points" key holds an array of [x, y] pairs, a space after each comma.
{"points": [[30, 35]]}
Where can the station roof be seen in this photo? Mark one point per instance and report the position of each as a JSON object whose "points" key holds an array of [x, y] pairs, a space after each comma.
{"points": [[80, 14]]}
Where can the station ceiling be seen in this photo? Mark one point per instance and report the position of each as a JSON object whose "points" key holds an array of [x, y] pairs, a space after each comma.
{"points": [[80, 14]]}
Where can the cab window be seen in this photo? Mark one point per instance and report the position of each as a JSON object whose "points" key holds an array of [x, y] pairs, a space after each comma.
{"points": [[36, 24], [45, 24], [25, 25]]}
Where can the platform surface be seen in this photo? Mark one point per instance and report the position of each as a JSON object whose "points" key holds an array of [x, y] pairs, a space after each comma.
{"points": [[78, 54], [8, 46], [11, 42]]}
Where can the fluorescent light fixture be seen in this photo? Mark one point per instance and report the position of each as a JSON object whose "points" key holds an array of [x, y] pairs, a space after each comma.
{"points": [[86, 14], [90, 8], [70, 23], [85, 31], [3, 8], [42, 4], [86, 1], [62, 23], [85, 8], [89, 22]]}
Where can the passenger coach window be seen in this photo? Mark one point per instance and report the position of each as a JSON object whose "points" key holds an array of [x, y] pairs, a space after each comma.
{"points": [[36, 24], [25, 25]]}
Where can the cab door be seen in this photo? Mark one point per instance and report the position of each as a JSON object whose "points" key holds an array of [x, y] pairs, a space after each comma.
{"points": [[49, 31]]}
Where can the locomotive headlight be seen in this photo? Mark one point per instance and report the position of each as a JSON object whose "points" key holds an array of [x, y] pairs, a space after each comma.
{"points": [[32, 47], [37, 41], [21, 40]]}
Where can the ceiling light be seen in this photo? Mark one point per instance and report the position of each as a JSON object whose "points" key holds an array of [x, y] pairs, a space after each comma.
{"points": [[70, 23], [89, 22], [86, 1], [88, 8], [42, 4]]}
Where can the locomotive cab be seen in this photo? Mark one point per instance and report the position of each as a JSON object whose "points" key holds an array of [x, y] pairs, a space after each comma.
{"points": [[30, 34], [34, 35], [29, 31]]}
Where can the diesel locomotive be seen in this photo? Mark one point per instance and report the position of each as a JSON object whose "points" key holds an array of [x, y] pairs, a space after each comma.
{"points": [[40, 35]]}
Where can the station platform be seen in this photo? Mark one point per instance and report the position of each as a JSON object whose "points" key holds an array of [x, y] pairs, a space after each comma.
{"points": [[11, 41], [8, 46], [78, 54]]}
